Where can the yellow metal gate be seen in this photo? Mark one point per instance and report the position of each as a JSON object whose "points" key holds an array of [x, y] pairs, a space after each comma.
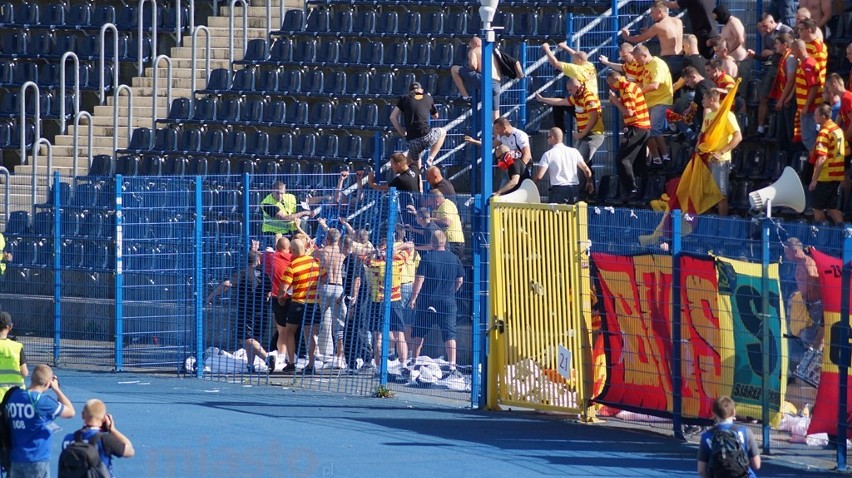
{"points": [[539, 329]]}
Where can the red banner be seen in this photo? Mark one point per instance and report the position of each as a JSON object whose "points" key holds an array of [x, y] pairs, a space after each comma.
{"points": [[635, 304], [824, 418]]}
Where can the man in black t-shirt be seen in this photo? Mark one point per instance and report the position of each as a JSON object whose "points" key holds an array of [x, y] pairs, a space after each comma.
{"points": [[416, 108], [405, 178], [516, 170], [439, 276]]}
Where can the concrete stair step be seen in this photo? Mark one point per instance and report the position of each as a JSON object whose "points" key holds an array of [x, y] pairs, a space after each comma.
{"points": [[67, 151], [219, 53], [177, 82], [97, 141], [254, 21], [27, 170]]}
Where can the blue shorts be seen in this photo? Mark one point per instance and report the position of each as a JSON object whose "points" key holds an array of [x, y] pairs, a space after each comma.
{"points": [[658, 119], [441, 311], [721, 171], [473, 81]]}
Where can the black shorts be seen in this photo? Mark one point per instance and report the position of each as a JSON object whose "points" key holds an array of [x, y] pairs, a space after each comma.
{"points": [[250, 326], [302, 314], [280, 312], [374, 314], [826, 195], [444, 315]]}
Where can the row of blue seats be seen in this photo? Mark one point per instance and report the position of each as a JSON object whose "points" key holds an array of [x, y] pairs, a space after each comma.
{"points": [[86, 16], [49, 104], [368, 22], [253, 144], [14, 73], [451, 3], [323, 83], [22, 45], [297, 114], [10, 134], [352, 53]]}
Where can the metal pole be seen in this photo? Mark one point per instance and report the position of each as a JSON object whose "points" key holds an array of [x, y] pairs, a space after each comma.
{"points": [[156, 92], [522, 84], [22, 126], [57, 268], [231, 29], [119, 276], [200, 28], [766, 337], [140, 67], [199, 281], [115, 115], [677, 341], [75, 153], [102, 73], [393, 204], [65, 56], [6, 176]]}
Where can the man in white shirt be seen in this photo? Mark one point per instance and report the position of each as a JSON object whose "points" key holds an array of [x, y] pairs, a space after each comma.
{"points": [[561, 163], [518, 144]]}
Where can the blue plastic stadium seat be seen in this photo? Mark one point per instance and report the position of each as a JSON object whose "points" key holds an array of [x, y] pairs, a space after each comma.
{"points": [[230, 111], [196, 166], [15, 134], [336, 84], [174, 166], [18, 223], [396, 54], [127, 166], [257, 143], [419, 54], [358, 84], [102, 14], [206, 110], [306, 50], [382, 83], [318, 21], [294, 21], [507, 21], [367, 115], [257, 50], [351, 147], [275, 113], [373, 53], [79, 16], [267, 82], [327, 146], [281, 50], [252, 110], [410, 23], [432, 23], [127, 18], [140, 140], [328, 52], [234, 143], [151, 165], [365, 22], [189, 141], [180, 110], [342, 22], [442, 54], [26, 15], [131, 42], [14, 44], [219, 80], [297, 113], [403, 83], [40, 44], [7, 72], [387, 24], [212, 141], [305, 145], [52, 16], [527, 23], [384, 116], [445, 86], [244, 81], [313, 84], [319, 114], [291, 81], [455, 24], [267, 167], [282, 145], [166, 140], [25, 72], [7, 14], [101, 166], [344, 114], [350, 53]]}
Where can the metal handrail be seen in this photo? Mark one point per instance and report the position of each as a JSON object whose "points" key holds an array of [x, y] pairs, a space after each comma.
{"points": [[102, 81], [233, 4], [22, 104], [34, 187], [65, 56], [141, 68], [179, 21], [194, 62], [115, 115], [155, 95], [76, 153], [6, 175]]}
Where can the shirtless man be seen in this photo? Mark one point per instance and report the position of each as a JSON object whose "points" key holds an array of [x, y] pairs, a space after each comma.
{"points": [[733, 33], [803, 14], [668, 31], [807, 280], [729, 66], [469, 78], [820, 11]]}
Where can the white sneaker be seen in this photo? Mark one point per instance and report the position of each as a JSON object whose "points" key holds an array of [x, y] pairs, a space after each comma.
{"points": [[359, 362], [339, 363]]}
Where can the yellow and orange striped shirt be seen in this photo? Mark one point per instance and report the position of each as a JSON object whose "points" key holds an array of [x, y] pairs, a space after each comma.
{"points": [[780, 78], [807, 76], [376, 276], [584, 102], [819, 52], [633, 70], [633, 99], [830, 144], [724, 82], [303, 275]]}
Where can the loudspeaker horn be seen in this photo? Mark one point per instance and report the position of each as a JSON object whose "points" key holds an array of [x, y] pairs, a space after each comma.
{"points": [[787, 191], [527, 193]]}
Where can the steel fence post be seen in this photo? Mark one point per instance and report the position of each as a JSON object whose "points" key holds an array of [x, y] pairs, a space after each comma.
{"points": [[199, 281], [393, 204], [522, 84], [119, 276], [479, 298], [766, 337], [246, 210], [57, 262], [677, 339]]}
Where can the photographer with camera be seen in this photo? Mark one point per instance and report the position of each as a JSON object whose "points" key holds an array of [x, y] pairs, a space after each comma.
{"points": [[110, 443], [30, 414]]}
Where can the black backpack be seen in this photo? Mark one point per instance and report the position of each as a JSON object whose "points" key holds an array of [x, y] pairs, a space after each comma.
{"points": [[81, 459], [728, 457], [6, 432]]}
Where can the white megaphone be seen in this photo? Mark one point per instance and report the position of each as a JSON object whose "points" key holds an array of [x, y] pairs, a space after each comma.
{"points": [[527, 193], [787, 191]]}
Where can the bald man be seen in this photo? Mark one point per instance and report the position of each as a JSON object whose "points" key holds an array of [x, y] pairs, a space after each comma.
{"points": [[668, 31], [437, 181], [469, 78], [562, 163]]}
